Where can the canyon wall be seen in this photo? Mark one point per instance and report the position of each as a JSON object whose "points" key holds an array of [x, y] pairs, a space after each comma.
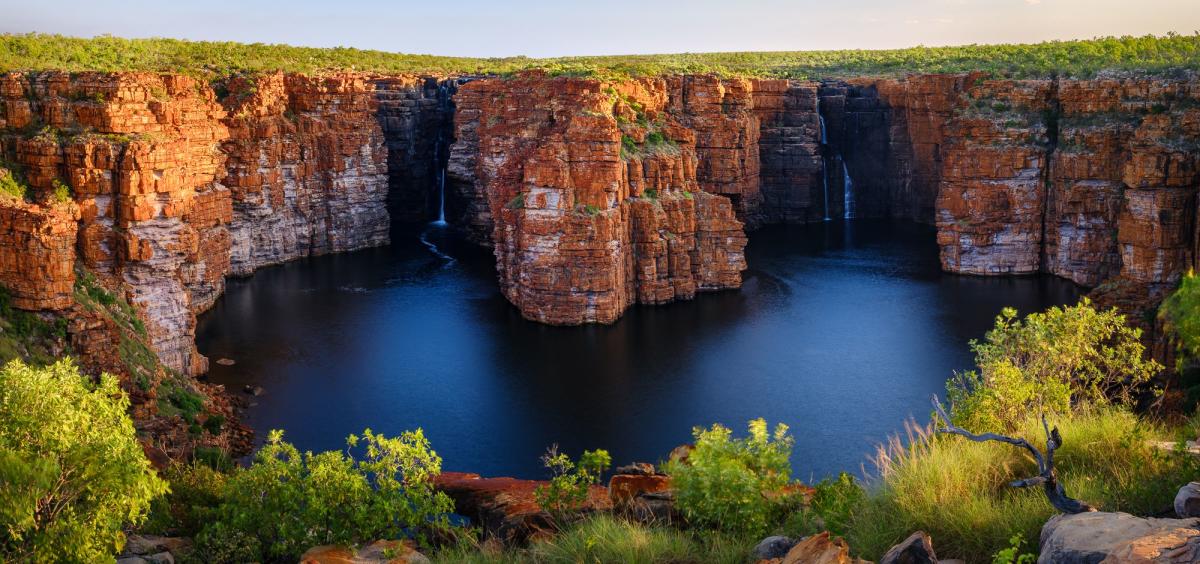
{"points": [[175, 189], [591, 194], [594, 195]]}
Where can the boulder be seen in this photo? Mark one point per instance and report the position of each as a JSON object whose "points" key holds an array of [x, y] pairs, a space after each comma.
{"points": [[1187, 501], [150, 544], [821, 549], [378, 552], [506, 508], [916, 549], [1114, 538], [774, 547]]}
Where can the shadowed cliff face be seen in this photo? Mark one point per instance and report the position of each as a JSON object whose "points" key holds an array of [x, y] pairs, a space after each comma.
{"points": [[594, 195]]}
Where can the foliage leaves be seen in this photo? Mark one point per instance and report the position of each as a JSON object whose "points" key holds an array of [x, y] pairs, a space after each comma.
{"points": [[289, 501], [1049, 362], [72, 473], [734, 484]]}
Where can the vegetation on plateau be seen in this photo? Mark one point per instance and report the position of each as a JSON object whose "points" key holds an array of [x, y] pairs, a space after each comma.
{"points": [[1082, 58]]}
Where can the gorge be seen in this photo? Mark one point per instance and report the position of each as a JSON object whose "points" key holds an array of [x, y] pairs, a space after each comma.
{"points": [[594, 195]]}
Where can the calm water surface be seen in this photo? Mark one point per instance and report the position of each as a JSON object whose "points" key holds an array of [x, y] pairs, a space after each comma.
{"points": [[842, 330]]}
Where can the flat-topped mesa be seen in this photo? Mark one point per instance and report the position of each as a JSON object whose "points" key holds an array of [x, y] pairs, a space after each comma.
{"points": [[592, 191]]}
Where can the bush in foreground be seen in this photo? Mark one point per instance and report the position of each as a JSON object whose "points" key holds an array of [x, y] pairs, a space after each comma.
{"points": [[288, 502], [1050, 362], [735, 484], [957, 490], [72, 473]]}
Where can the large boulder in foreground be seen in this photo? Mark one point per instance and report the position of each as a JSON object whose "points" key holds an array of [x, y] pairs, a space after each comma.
{"points": [[1119, 538], [820, 548]]}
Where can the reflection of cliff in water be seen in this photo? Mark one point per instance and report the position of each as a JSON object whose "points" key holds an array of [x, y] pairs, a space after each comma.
{"points": [[841, 330]]}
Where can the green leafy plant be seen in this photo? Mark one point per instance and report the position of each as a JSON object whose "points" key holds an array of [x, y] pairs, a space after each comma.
{"points": [[72, 474], [736, 485], [570, 481], [289, 501], [1051, 362], [62, 193], [1013, 554], [831, 507], [10, 186], [517, 202]]}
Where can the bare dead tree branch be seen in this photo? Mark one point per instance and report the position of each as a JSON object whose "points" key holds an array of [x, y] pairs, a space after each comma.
{"points": [[1045, 464]]}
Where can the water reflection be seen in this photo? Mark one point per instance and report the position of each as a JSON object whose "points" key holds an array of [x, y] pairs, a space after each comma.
{"points": [[841, 330]]}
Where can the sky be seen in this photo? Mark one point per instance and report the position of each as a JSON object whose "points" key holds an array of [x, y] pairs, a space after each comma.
{"points": [[547, 28]]}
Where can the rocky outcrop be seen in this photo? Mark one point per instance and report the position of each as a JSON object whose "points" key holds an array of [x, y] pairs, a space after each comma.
{"points": [[791, 169], [176, 190], [593, 195], [1085, 179], [507, 508], [37, 257], [1114, 538], [140, 154]]}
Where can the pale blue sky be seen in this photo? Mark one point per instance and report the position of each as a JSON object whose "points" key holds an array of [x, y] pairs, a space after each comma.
{"points": [[550, 28]]}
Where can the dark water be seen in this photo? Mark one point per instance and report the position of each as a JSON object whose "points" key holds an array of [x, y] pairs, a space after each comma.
{"points": [[841, 330]]}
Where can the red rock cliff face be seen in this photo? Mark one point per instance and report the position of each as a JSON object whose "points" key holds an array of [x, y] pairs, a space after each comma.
{"points": [[306, 169], [1083, 179], [592, 192], [175, 190]]}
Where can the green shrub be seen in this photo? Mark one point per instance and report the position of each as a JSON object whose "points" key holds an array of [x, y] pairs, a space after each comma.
{"points": [[72, 474], [196, 490], [1013, 554], [570, 481], [62, 193], [831, 508], [957, 490], [734, 484], [517, 202], [650, 193], [628, 146], [289, 502], [1049, 362], [10, 186], [1181, 314]]}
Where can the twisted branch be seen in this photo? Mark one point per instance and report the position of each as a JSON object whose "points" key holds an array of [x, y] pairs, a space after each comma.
{"points": [[1045, 464]]}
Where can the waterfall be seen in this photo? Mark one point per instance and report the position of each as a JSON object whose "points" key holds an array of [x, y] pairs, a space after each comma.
{"points": [[824, 141], [848, 195], [441, 220], [825, 182]]}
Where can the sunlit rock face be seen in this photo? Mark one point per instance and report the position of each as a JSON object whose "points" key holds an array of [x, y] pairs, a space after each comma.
{"points": [[175, 189], [595, 195], [592, 194]]}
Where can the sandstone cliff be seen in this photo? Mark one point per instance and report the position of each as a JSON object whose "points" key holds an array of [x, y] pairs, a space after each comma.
{"points": [[592, 194], [595, 195]]}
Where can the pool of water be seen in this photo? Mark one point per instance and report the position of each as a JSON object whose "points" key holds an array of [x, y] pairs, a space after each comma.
{"points": [[842, 330]]}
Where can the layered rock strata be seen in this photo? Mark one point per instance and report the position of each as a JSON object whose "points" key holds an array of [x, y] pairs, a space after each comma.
{"points": [[176, 190], [593, 193]]}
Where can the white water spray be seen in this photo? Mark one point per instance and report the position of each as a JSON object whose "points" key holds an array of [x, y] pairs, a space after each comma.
{"points": [[848, 191]]}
